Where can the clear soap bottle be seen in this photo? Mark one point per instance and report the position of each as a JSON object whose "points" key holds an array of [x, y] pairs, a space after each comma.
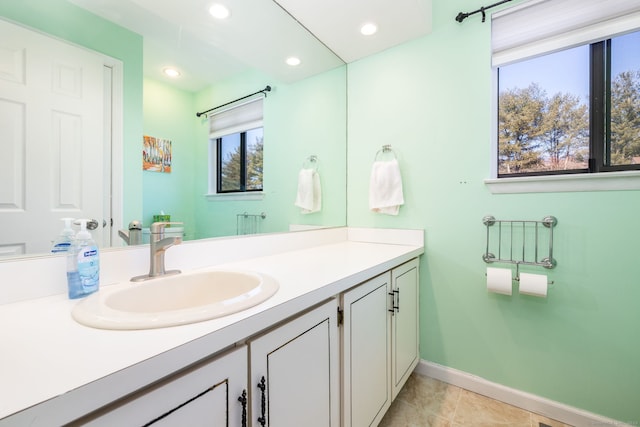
{"points": [[83, 264], [64, 241]]}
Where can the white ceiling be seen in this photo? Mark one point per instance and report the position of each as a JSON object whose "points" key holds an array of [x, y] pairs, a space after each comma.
{"points": [[337, 23], [260, 34]]}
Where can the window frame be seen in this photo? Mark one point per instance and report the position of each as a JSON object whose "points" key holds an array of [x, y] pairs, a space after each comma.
{"points": [[620, 177], [509, 43], [214, 161], [243, 165]]}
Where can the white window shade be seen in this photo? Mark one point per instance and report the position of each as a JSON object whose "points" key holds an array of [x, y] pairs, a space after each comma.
{"points": [[237, 119], [538, 27]]}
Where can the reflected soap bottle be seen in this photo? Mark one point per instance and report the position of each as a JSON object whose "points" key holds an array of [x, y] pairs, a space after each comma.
{"points": [[64, 241], [83, 264]]}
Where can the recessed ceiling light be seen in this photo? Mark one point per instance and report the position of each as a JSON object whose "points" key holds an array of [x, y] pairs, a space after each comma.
{"points": [[219, 11], [171, 72], [369, 29], [293, 61]]}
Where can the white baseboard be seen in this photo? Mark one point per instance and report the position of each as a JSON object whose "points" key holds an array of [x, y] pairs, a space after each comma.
{"points": [[530, 402]]}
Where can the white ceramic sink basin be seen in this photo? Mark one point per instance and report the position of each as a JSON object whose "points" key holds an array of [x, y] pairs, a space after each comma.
{"points": [[174, 300]]}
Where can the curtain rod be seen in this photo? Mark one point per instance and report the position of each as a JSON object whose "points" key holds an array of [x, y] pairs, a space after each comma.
{"points": [[263, 91], [462, 16]]}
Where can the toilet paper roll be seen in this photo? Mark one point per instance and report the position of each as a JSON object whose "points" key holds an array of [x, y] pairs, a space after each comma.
{"points": [[499, 280], [533, 284]]}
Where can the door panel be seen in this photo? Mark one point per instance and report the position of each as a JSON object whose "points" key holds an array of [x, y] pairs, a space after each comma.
{"points": [[300, 364], [206, 410], [405, 334], [297, 371], [51, 130], [204, 395], [366, 344]]}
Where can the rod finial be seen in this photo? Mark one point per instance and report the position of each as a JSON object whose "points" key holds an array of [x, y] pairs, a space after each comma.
{"points": [[462, 16]]}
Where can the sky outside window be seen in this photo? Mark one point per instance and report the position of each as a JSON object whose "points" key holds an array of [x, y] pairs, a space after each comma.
{"points": [[564, 71], [629, 59]]}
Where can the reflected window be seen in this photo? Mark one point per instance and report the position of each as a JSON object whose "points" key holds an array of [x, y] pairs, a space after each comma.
{"points": [[239, 157], [236, 146]]}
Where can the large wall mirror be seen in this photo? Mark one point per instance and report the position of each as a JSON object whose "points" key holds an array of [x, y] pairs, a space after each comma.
{"points": [[304, 117]]}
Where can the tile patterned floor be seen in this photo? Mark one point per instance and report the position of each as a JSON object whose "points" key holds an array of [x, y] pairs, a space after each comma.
{"points": [[426, 402]]}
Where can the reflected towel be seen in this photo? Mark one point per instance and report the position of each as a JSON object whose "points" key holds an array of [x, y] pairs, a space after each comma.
{"points": [[309, 197], [385, 188]]}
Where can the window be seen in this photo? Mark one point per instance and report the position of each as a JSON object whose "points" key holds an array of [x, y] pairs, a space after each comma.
{"points": [[236, 142], [551, 120], [567, 103], [543, 114], [239, 165]]}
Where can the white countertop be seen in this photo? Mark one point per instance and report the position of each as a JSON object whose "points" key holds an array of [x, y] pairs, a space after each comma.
{"points": [[49, 360]]}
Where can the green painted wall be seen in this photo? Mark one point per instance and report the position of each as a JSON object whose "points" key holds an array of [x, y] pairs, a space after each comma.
{"points": [[431, 99], [64, 20], [300, 119], [169, 113]]}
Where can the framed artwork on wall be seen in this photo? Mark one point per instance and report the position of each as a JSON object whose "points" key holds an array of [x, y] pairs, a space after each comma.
{"points": [[156, 154]]}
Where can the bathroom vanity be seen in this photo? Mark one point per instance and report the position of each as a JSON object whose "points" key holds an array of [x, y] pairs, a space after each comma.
{"points": [[332, 347]]}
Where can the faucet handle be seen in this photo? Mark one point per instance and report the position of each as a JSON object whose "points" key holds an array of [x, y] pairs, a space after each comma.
{"points": [[158, 227]]}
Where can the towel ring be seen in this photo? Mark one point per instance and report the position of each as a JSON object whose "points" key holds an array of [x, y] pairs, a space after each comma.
{"points": [[386, 149], [311, 162]]}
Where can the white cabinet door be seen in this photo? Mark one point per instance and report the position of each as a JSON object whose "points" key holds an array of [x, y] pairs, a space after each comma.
{"points": [[379, 343], [206, 395], [405, 321], [366, 346], [295, 372]]}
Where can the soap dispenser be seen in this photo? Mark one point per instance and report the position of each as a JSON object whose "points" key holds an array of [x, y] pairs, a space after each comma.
{"points": [[83, 264], [64, 241]]}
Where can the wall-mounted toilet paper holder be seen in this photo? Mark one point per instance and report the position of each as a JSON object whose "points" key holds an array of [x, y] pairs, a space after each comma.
{"points": [[522, 235]]}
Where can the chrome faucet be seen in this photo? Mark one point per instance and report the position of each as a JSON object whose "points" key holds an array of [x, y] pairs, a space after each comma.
{"points": [[134, 235], [158, 245]]}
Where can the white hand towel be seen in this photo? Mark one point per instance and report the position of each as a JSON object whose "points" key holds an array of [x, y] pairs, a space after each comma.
{"points": [[385, 188], [309, 196]]}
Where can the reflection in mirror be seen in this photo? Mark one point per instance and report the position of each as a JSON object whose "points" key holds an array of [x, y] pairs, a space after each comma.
{"points": [[304, 115]]}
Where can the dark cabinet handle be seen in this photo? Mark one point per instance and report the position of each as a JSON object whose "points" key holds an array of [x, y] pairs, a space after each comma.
{"points": [[395, 301], [392, 310], [243, 401], [263, 402]]}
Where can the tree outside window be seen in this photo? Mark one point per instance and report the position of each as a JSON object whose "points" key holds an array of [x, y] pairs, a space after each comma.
{"points": [[240, 161], [547, 108]]}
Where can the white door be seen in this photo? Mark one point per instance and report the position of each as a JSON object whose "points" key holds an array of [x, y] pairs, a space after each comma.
{"points": [[51, 138], [405, 321], [366, 347], [299, 363]]}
